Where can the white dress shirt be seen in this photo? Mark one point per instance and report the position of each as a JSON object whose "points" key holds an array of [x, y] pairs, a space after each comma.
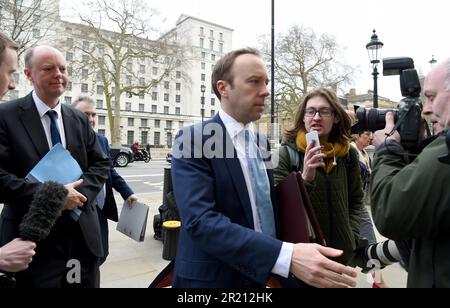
{"points": [[236, 132], [46, 122]]}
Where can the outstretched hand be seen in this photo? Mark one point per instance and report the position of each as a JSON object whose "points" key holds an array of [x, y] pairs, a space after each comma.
{"points": [[311, 265]]}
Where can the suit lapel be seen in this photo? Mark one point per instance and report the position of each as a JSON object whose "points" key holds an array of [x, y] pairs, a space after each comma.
{"points": [[33, 125], [237, 176], [69, 124]]}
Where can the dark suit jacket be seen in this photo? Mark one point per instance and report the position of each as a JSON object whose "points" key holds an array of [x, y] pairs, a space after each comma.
{"points": [[218, 246], [114, 181], [23, 143]]}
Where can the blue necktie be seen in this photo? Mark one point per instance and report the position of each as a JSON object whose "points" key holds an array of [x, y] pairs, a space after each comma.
{"points": [[261, 185], [101, 198], [56, 138]]}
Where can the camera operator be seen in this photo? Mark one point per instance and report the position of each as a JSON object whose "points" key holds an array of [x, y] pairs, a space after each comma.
{"points": [[412, 201]]}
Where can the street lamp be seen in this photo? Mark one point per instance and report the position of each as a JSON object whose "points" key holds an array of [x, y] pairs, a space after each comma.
{"points": [[432, 61], [374, 49], [203, 90]]}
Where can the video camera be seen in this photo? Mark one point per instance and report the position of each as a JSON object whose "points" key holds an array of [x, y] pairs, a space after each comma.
{"points": [[408, 117]]}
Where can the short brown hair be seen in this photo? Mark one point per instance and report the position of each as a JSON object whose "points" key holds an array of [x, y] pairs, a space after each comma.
{"points": [[5, 42], [222, 69], [341, 132]]}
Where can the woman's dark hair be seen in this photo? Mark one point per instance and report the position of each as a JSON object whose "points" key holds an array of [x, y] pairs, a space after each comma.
{"points": [[341, 132]]}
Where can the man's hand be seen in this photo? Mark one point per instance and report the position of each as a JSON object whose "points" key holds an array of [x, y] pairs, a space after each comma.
{"points": [[379, 137], [74, 198], [16, 255], [131, 199], [311, 265]]}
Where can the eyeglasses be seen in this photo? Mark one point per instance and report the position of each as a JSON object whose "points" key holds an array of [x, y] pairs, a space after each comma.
{"points": [[323, 113]]}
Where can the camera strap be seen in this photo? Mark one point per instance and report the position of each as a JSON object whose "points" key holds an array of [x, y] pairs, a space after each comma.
{"points": [[446, 158]]}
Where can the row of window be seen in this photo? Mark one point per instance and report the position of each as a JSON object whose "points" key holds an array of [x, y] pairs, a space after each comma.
{"points": [[211, 45], [211, 33]]}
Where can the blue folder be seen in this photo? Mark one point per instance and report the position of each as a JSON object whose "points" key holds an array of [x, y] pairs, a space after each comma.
{"points": [[57, 165]]}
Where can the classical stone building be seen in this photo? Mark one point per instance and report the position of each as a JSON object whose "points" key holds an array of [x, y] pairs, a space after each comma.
{"points": [[153, 118]]}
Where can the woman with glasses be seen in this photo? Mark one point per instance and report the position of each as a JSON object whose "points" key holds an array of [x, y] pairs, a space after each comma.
{"points": [[330, 169]]}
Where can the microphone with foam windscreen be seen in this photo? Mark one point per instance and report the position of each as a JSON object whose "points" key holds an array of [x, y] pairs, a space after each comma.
{"points": [[46, 207]]}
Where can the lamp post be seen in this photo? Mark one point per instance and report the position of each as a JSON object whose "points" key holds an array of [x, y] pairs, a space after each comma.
{"points": [[374, 49], [203, 90], [432, 61]]}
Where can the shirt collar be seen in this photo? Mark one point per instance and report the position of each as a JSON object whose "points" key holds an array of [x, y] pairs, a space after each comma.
{"points": [[233, 127], [43, 108]]}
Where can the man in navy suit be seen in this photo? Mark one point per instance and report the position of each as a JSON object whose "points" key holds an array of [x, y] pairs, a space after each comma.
{"points": [[109, 209], [227, 205], [29, 128]]}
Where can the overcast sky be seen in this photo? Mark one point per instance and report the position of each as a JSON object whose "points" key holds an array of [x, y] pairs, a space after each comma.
{"points": [[414, 28]]}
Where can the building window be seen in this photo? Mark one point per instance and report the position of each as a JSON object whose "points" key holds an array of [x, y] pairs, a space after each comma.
{"points": [[144, 138], [166, 85], [177, 110], [84, 88], [213, 101], [130, 137], [221, 36], [130, 66], [155, 96], [178, 98], [142, 81], [154, 109], [84, 74], [178, 75], [157, 123], [157, 139], [69, 42], [99, 77], [202, 31], [166, 97], [141, 96], [100, 90], [213, 57], [37, 34], [129, 79], [211, 33], [202, 42], [101, 120], [99, 104], [68, 100], [203, 65], [211, 45], [178, 86], [166, 110], [130, 122], [128, 108], [169, 124], [203, 77], [86, 45], [69, 56], [155, 71], [203, 55], [141, 108], [221, 47], [102, 132], [180, 124], [144, 123], [142, 69], [69, 86], [169, 140], [213, 113]]}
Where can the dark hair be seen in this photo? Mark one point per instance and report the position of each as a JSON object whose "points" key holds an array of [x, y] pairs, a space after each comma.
{"points": [[222, 69], [5, 42], [341, 132]]}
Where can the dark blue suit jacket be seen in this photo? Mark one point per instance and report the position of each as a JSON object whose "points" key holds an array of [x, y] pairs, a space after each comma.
{"points": [[218, 246], [114, 181]]}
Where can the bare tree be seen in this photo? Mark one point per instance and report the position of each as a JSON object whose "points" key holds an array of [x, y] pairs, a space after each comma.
{"points": [[119, 59], [28, 22], [304, 61]]}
